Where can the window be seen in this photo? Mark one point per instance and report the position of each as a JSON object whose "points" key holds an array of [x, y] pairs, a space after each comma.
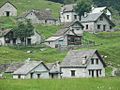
{"points": [[97, 61], [87, 26], [31, 75], [108, 16], [75, 16], [67, 16], [89, 72], [92, 61], [110, 27], [19, 76], [101, 18], [38, 75], [49, 42], [98, 26], [72, 72], [100, 71]]}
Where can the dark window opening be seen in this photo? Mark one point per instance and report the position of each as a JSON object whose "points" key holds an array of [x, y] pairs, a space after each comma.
{"points": [[97, 61], [104, 27], [87, 26], [29, 41], [92, 73], [72, 72], [101, 18], [97, 73], [89, 72], [45, 21], [100, 72], [98, 26], [7, 13], [75, 16], [19, 76], [74, 40], [14, 41], [38, 75], [92, 61], [49, 42], [31, 75], [67, 16], [110, 27]]}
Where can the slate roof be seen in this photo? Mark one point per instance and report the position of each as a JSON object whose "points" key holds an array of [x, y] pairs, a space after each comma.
{"points": [[53, 67], [13, 67], [53, 38], [68, 8], [4, 32], [92, 17], [9, 3], [98, 9], [27, 67], [75, 58], [66, 28], [41, 14]]}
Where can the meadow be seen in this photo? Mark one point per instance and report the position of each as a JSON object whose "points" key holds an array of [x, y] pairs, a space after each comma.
{"points": [[62, 84]]}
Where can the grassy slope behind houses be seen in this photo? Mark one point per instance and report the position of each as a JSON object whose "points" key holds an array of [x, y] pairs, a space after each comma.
{"points": [[107, 46], [25, 5]]}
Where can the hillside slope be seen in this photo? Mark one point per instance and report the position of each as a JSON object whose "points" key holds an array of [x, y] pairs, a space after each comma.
{"points": [[108, 46], [24, 5]]}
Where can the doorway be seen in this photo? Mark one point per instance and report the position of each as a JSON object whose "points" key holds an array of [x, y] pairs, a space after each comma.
{"points": [[104, 27], [92, 73], [7, 13], [31, 75], [14, 40], [38, 76], [97, 73], [29, 41]]}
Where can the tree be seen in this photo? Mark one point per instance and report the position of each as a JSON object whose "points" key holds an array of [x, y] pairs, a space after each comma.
{"points": [[82, 7], [69, 1], [23, 30]]}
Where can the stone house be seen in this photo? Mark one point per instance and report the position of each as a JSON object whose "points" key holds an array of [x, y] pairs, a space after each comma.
{"points": [[70, 34], [105, 10], [7, 38], [8, 9], [97, 22], [83, 64], [54, 70], [68, 14], [32, 70], [40, 17], [13, 67]]}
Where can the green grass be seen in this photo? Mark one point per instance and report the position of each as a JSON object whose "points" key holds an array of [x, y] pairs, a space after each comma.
{"points": [[47, 31], [64, 84], [109, 47], [10, 54]]}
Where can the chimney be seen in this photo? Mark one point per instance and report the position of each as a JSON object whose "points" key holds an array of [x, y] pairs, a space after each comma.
{"points": [[92, 7], [85, 14], [84, 60]]}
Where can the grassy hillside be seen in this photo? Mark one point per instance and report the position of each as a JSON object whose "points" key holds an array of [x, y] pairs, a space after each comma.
{"points": [[10, 54], [24, 5], [47, 31], [64, 84], [106, 43]]}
